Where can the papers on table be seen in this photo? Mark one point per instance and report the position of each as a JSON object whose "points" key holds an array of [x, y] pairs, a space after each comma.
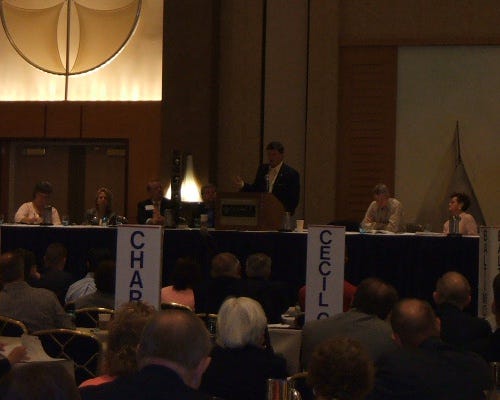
{"points": [[35, 351]]}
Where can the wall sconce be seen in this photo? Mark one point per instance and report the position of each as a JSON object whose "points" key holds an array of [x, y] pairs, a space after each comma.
{"points": [[190, 186]]}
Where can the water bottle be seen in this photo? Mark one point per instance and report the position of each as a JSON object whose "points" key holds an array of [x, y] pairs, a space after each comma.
{"points": [[287, 225]]}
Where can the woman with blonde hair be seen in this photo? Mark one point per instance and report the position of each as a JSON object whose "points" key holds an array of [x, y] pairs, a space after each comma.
{"points": [[124, 333], [102, 213]]}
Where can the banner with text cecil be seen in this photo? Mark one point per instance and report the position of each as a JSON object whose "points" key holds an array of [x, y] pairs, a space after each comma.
{"points": [[325, 271], [138, 264], [489, 267]]}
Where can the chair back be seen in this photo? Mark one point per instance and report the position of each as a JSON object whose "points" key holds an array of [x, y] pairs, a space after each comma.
{"points": [[11, 327], [175, 306], [84, 349], [89, 317]]}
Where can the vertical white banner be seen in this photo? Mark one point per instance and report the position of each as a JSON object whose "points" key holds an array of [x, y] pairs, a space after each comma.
{"points": [[489, 267], [138, 264], [325, 271]]}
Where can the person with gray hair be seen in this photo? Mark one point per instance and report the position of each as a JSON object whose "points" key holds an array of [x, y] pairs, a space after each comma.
{"points": [[458, 327], [423, 366], [384, 212], [225, 281], [272, 295], [172, 355], [240, 363], [37, 308]]}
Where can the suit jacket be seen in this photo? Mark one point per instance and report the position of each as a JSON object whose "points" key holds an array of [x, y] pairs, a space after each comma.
{"points": [[373, 333], [242, 373], [286, 187], [153, 382], [209, 295], [143, 215], [433, 371], [460, 328], [272, 296]]}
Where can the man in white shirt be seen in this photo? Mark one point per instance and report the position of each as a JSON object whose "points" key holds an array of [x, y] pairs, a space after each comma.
{"points": [[384, 213], [32, 212]]}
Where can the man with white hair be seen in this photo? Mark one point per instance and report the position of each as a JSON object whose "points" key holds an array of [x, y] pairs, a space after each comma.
{"points": [[172, 356]]}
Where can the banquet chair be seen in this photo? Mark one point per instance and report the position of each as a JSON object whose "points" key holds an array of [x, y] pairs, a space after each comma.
{"points": [[11, 327], [299, 382], [89, 317], [84, 349], [175, 306], [210, 321]]}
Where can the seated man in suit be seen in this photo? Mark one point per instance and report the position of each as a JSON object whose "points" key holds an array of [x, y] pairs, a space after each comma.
{"points": [[151, 211], [275, 177], [364, 322], [225, 281], [424, 367], [172, 355], [458, 327], [272, 296]]}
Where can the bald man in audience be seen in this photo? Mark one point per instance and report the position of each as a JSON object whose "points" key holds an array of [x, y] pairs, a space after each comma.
{"points": [[424, 367], [172, 355], [458, 327], [364, 322], [37, 308]]}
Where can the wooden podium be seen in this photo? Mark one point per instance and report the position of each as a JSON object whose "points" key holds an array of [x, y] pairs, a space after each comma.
{"points": [[248, 211]]}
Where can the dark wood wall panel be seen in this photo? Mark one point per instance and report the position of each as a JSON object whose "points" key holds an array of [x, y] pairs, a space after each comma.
{"points": [[22, 119], [367, 126], [63, 119]]}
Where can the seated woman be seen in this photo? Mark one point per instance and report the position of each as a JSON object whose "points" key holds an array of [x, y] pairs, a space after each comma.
{"points": [[124, 332], [340, 369], [459, 203], [186, 274], [240, 363], [103, 210]]}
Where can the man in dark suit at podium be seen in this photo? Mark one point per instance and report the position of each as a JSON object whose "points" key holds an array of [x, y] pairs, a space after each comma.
{"points": [[275, 177]]}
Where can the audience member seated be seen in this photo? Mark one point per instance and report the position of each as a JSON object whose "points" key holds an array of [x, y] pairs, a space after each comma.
{"points": [[459, 203], [185, 276], [272, 296], [124, 332], [39, 381], [37, 308], [364, 322], [459, 328], [424, 367], [225, 281], [104, 296], [348, 296], [31, 274], [86, 285], [102, 213], [32, 212], [341, 369], [240, 363], [17, 354], [54, 277], [151, 211], [172, 355], [490, 347]]}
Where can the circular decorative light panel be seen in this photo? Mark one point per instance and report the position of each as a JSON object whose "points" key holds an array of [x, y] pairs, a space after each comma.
{"points": [[69, 37]]}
